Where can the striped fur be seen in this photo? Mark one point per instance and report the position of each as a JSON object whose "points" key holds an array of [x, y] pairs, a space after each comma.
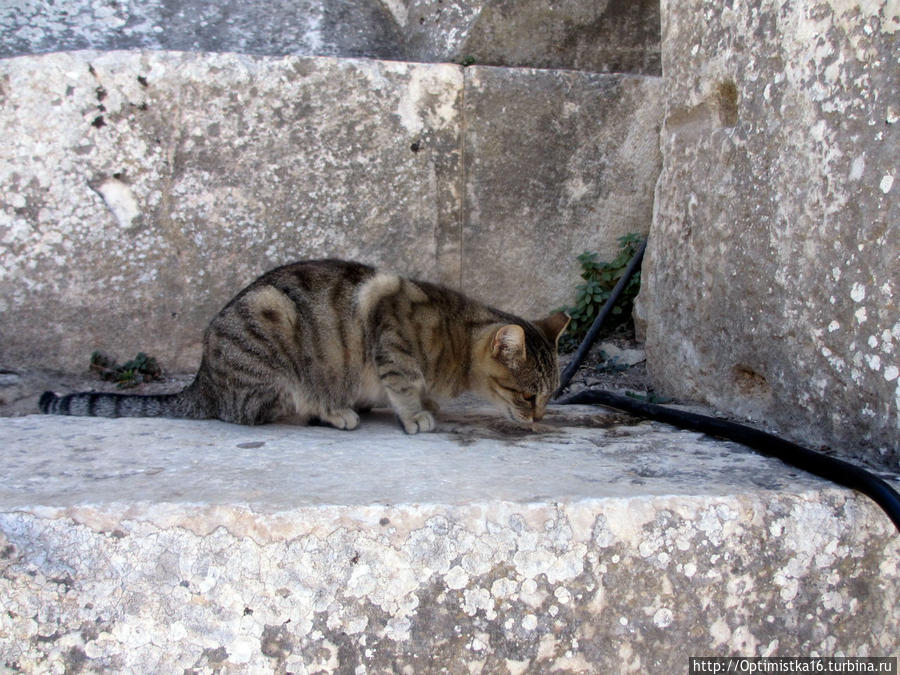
{"points": [[323, 339]]}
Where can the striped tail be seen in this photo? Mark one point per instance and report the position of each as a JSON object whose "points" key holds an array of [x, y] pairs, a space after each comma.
{"points": [[101, 404]]}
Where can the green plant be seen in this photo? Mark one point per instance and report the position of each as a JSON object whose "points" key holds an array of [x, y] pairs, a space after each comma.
{"points": [[599, 280], [141, 368]]}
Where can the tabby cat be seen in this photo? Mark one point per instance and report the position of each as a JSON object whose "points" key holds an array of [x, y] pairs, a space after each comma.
{"points": [[320, 340]]}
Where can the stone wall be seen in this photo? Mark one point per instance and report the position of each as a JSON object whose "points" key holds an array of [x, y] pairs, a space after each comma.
{"points": [[772, 278], [599, 36], [556, 162], [608, 36], [140, 190]]}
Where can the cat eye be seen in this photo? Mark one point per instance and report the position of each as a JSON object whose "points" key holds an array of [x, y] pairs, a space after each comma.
{"points": [[529, 397]]}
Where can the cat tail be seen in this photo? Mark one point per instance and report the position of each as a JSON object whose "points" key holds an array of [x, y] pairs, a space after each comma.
{"points": [[183, 404]]}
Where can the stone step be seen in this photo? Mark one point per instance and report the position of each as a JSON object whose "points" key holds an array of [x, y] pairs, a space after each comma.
{"points": [[139, 191], [596, 544], [600, 37]]}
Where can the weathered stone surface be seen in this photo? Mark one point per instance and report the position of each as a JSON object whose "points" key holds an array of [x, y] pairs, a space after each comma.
{"points": [[599, 36], [307, 27], [607, 36], [595, 545], [140, 191], [772, 279], [556, 163]]}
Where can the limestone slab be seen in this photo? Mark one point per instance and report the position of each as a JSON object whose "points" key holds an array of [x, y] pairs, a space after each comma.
{"points": [[142, 190], [595, 545], [308, 27], [557, 163], [770, 288], [594, 36], [605, 37]]}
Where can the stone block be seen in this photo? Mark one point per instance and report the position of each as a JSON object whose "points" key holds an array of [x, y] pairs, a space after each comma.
{"points": [[556, 162], [300, 27], [598, 36], [595, 545], [141, 190], [609, 36], [771, 282]]}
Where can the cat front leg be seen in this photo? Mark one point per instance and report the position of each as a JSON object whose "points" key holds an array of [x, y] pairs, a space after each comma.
{"points": [[345, 418], [404, 385], [406, 400], [420, 421]]}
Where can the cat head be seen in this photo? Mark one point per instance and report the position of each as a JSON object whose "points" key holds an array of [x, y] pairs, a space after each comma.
{"points": [[520, 366]]}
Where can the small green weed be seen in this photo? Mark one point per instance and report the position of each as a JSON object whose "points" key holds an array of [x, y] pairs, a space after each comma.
{"points": [[599, 280], [140, 369]]}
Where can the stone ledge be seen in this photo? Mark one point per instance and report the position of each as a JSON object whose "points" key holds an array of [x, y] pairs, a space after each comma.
{"points": [[595, 545]]}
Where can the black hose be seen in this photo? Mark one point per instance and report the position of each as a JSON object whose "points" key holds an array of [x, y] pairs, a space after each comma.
{"points": [[833, 469], [594, 330]]}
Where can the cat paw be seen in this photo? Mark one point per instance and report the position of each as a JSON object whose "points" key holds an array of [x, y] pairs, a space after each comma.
{"points": [[342, 419], [420, 421]]}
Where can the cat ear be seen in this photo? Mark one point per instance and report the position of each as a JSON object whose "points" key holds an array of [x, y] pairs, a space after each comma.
{"points": [[508, 346], [553, 326]]}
